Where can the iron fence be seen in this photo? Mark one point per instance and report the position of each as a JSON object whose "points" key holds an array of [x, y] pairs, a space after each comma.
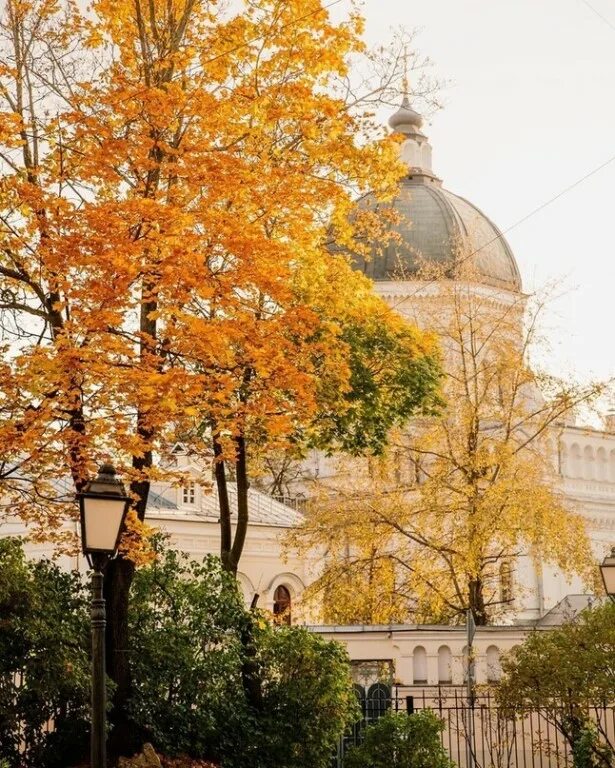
{"points": [[485, 735]]}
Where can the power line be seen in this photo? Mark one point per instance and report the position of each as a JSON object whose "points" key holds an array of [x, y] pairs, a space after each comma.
{"points": [[515, 224], [598, 14], [499, 236], [544, 205]]}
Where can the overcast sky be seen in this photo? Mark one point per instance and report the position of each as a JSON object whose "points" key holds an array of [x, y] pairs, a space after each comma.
{"points": [[531, 110]]}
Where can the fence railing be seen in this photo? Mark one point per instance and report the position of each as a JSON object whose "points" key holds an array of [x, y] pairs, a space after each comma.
{"points": [[484, 735]]}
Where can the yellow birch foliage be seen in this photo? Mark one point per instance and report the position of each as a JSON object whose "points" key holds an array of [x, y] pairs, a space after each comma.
{"points": [[444, 517]]}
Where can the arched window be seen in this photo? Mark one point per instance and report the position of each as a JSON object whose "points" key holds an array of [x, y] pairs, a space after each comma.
{"points": [[506, 582], [589, 461], [494, 670], [282, 605], [444, 664], [419, 665], [576, 470], [602, 464], [377, 701]]}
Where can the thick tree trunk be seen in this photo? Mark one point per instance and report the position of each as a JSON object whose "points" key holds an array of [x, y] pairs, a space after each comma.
{"points": [[476, 600], [231, 546], [124, 737]]}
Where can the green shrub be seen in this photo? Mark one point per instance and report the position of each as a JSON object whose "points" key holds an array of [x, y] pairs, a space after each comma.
{"points": [[212, 681], [44, 667], [185, 620], [564, 673], [194, 645], [308, 699], [399, 740]]}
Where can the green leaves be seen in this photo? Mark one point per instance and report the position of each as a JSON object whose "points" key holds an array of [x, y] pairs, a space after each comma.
{"points": [[308, 699], [572, 663], [189, 657], [398, 740], [186, 654], [567, 672], [391, 379], [44, 664]]}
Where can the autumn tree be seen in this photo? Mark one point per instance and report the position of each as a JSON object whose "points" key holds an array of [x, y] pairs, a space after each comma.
{"points": [[387, 370], [568, 673], [437, 526], [171, 178]]}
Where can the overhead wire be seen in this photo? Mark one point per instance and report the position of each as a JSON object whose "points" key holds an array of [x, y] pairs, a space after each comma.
{"points": [[598, 14], [540, 207], [523, 219]]}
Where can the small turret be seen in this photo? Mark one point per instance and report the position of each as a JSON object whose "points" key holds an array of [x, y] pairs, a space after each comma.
{"points": [[406, 120], [415, 150]]}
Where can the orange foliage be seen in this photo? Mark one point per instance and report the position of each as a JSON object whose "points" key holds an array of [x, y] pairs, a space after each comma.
{"points": [[170, 178]]}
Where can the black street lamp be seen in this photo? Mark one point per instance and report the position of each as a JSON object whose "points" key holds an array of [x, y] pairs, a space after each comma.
{"points": [[608, 574], [103, 505]]}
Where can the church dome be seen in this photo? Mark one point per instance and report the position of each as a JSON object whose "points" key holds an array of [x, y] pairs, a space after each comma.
{"points": [[405, 116], [435, 226]]}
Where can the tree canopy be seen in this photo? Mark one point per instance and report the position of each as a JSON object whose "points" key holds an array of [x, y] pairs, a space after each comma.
{"points": [[188, 624], [568, 672], [44, 662], [172, 174], [438, 524]]}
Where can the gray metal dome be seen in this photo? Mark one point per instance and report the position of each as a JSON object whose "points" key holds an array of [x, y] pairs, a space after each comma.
{"points": [[438, 227]]}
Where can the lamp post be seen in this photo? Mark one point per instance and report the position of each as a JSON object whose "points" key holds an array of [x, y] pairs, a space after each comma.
{"points": [[103, 505], [470, 632], [608, 574]]}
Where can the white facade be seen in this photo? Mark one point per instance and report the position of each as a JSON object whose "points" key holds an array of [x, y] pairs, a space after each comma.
{"points": [[420, 655], [585, 464], [193, 528], [427, 656]]}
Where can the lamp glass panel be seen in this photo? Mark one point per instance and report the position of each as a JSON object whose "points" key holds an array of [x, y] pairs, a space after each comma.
{"points": [[102, 521], [608, 574]]}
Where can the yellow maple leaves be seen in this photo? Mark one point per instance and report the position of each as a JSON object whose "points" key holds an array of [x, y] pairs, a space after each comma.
{"points": [[168, 192]]}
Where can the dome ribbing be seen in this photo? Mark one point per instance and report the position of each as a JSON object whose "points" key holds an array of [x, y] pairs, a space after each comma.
{"points": [[439, 227], [436, 227]]}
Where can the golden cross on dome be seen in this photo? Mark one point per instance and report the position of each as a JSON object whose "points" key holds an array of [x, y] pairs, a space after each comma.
{"points": [[406, 84]]}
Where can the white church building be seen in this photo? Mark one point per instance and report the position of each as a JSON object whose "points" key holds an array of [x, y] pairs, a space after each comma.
{"points": [[418, 655]]}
